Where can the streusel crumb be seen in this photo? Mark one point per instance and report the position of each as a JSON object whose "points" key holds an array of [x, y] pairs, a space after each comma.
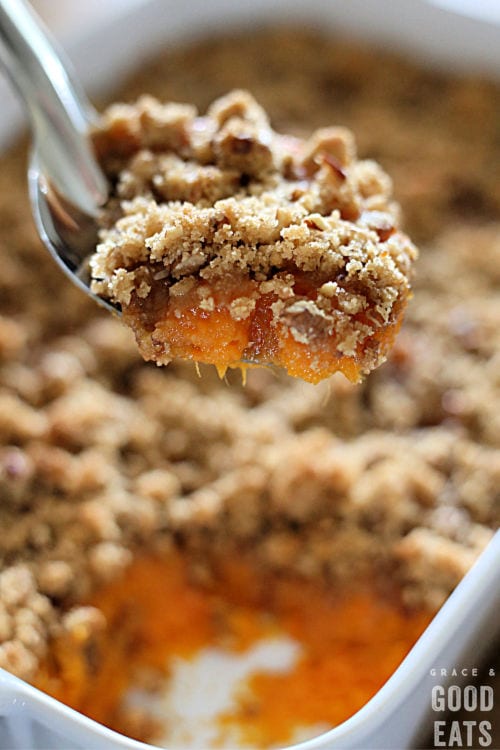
{"points": [[226, 242]]}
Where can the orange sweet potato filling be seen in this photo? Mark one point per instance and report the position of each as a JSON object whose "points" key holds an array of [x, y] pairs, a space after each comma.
{"points": [[214, 336], [351, 643]]}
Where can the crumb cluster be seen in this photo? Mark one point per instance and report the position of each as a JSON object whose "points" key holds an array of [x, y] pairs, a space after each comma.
{"points": [[102, 455], [223, 210]]}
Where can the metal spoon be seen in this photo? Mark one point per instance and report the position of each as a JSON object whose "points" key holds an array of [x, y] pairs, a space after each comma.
{"points": [[66, 184]]}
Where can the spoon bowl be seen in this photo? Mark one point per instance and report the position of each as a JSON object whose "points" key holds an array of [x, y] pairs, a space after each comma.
{"points": [[69, 234]]}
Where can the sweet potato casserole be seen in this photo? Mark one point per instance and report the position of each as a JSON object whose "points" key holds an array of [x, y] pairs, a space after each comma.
{"points": [[147, 512], [236, 244]]}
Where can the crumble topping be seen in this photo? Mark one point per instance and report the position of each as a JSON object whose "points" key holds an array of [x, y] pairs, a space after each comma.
{"points": [[102, 455], [249, 218]]}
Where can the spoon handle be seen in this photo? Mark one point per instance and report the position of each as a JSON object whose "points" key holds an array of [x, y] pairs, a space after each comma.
{"points": [[58, 110]]}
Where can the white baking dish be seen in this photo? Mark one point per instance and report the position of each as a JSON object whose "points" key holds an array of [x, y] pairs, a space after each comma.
{"points": [[104, 47], [393, 719]]}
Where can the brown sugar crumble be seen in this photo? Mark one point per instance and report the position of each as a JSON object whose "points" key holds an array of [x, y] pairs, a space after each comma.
{"points": [[228, 243], [103, 455]]}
